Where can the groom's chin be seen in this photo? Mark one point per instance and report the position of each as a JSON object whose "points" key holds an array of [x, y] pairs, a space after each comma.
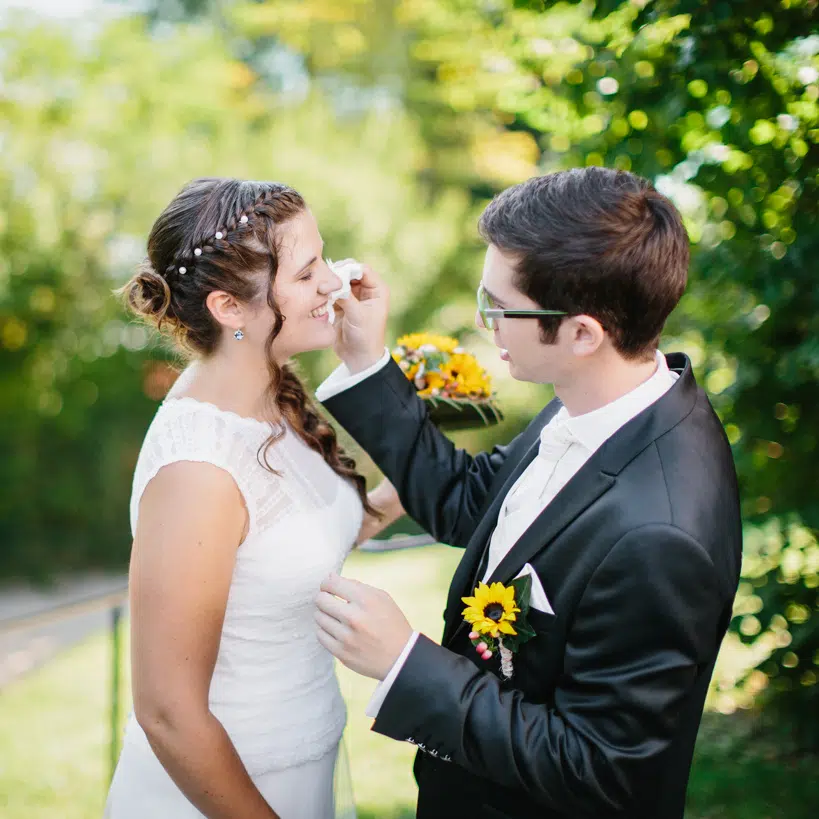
{"points": [[515, 371]]}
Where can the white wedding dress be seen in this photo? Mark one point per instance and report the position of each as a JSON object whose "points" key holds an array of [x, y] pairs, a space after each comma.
{"points": [[274, 687]]}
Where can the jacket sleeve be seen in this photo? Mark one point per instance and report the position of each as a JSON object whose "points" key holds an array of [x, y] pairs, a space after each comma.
{"points": [[649, 616], [441, 487]]}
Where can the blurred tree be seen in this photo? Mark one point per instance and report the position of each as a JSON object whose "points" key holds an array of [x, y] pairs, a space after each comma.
{"points": [[89, 116]]}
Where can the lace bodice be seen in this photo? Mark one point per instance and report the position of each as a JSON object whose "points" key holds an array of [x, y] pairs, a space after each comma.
{"points": [[274, 687]]}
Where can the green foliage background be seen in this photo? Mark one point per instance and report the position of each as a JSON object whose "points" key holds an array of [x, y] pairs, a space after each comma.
{"points": [[399, 119]]}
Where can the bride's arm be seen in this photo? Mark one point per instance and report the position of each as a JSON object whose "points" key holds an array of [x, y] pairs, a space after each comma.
{"points": [[191, 521], [384, 498]]}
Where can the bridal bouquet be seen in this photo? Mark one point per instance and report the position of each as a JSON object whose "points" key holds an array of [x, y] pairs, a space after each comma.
{"points": [[456, 388]]}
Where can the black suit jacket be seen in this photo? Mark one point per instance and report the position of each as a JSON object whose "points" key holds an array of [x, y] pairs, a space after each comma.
{"points": [[639, 555]]}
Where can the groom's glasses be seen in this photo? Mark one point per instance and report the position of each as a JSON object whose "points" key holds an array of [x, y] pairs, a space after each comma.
{"points": [[490, 312]]}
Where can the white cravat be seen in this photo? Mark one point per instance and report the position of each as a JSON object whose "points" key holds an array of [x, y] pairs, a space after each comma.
{"points": [[566, 443], [532, 492]]}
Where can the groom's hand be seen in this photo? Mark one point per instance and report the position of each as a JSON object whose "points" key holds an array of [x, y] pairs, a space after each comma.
{"points": [[361, 625], [361, 322]]}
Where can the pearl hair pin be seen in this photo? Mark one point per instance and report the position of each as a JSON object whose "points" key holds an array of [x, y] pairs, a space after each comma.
{"points": [[197, 251]]}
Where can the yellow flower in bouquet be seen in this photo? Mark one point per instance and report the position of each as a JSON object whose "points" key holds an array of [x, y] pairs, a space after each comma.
{"points": [[466, 375], [438, 366], [413, 341], [443, 373]]}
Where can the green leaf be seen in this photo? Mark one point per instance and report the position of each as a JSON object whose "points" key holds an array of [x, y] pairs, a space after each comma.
{"points": [[523, 591], [434, 361], [514, 642], [524, 629]]}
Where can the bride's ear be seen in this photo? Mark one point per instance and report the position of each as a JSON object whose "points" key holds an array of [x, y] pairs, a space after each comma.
{"points": [[226, 309]]}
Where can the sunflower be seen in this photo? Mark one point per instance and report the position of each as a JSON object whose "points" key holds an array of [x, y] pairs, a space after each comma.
{"points": [[492, 610], [465, 376], [414, 341], [433, 383]]}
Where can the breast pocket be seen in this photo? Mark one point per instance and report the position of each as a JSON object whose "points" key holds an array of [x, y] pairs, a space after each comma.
{"points": [[539, 659], [541, 621]]}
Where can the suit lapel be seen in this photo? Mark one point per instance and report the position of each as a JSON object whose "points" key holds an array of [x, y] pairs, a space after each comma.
{"points": [[529, 440], [584, 489], [478, 543], [579, 493], [599, 473]]}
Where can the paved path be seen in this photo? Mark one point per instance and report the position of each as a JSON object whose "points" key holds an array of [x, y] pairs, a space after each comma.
{"points": [[24, 649]]}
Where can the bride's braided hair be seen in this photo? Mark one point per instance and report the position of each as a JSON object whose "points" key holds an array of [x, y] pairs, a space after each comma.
{"points": [[220, 234]]}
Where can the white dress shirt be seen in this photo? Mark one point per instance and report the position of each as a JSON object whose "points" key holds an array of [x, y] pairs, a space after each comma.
{"points": [[566, 443], [341, 379]]}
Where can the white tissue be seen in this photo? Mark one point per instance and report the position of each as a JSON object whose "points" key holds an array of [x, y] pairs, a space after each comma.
{"points": [[347, 270]]}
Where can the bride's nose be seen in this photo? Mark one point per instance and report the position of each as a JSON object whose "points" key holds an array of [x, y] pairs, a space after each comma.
{"points": [[328, 281]]}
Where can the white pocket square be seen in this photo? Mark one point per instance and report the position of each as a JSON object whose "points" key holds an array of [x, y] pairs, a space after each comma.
{"points": [[537, 597]]}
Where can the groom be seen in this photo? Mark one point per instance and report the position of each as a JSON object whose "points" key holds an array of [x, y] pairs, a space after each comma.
{"points": [[619, 498]]}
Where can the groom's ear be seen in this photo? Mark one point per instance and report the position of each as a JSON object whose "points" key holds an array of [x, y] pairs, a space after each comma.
{"points": [[585, 334], [226, 309]]}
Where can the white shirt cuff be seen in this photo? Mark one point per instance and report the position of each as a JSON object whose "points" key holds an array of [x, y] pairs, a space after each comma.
{"points": [[340, 378], [383, 688]]}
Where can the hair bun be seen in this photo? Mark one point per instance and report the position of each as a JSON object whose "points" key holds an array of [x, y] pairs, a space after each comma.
{"points": [[148, 295]]}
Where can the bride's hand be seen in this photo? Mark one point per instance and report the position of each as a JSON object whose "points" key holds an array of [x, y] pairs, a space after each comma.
{"points": [[384, 498]]}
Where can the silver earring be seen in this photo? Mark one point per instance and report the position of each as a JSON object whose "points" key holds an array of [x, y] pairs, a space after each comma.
{"points": [[238, 335]]}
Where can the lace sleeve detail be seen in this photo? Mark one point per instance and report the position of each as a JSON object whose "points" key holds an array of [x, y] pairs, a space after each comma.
{"points": [[186, 431]]}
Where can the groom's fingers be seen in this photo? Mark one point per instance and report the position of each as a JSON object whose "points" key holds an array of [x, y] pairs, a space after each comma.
{"points": [[331, 627], [369, 286], [333, 607], [351, 590], [330, 643]]}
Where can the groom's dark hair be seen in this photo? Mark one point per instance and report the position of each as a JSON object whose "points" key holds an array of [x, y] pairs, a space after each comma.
{"points": [[597, 242]]}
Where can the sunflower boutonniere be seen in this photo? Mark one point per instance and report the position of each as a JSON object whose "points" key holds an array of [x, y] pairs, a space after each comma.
{"points": [[497, 614]]}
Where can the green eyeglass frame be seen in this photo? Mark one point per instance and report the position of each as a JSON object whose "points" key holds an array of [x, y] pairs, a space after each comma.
{"points": [[490, 314]]}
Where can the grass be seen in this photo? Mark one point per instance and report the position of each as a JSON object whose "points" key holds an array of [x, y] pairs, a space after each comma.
{"points": [[54, 729], [742, 773], [53, 734]]}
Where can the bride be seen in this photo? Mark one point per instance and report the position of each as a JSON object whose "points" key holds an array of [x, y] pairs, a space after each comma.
{"points": [[242, 504]]}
